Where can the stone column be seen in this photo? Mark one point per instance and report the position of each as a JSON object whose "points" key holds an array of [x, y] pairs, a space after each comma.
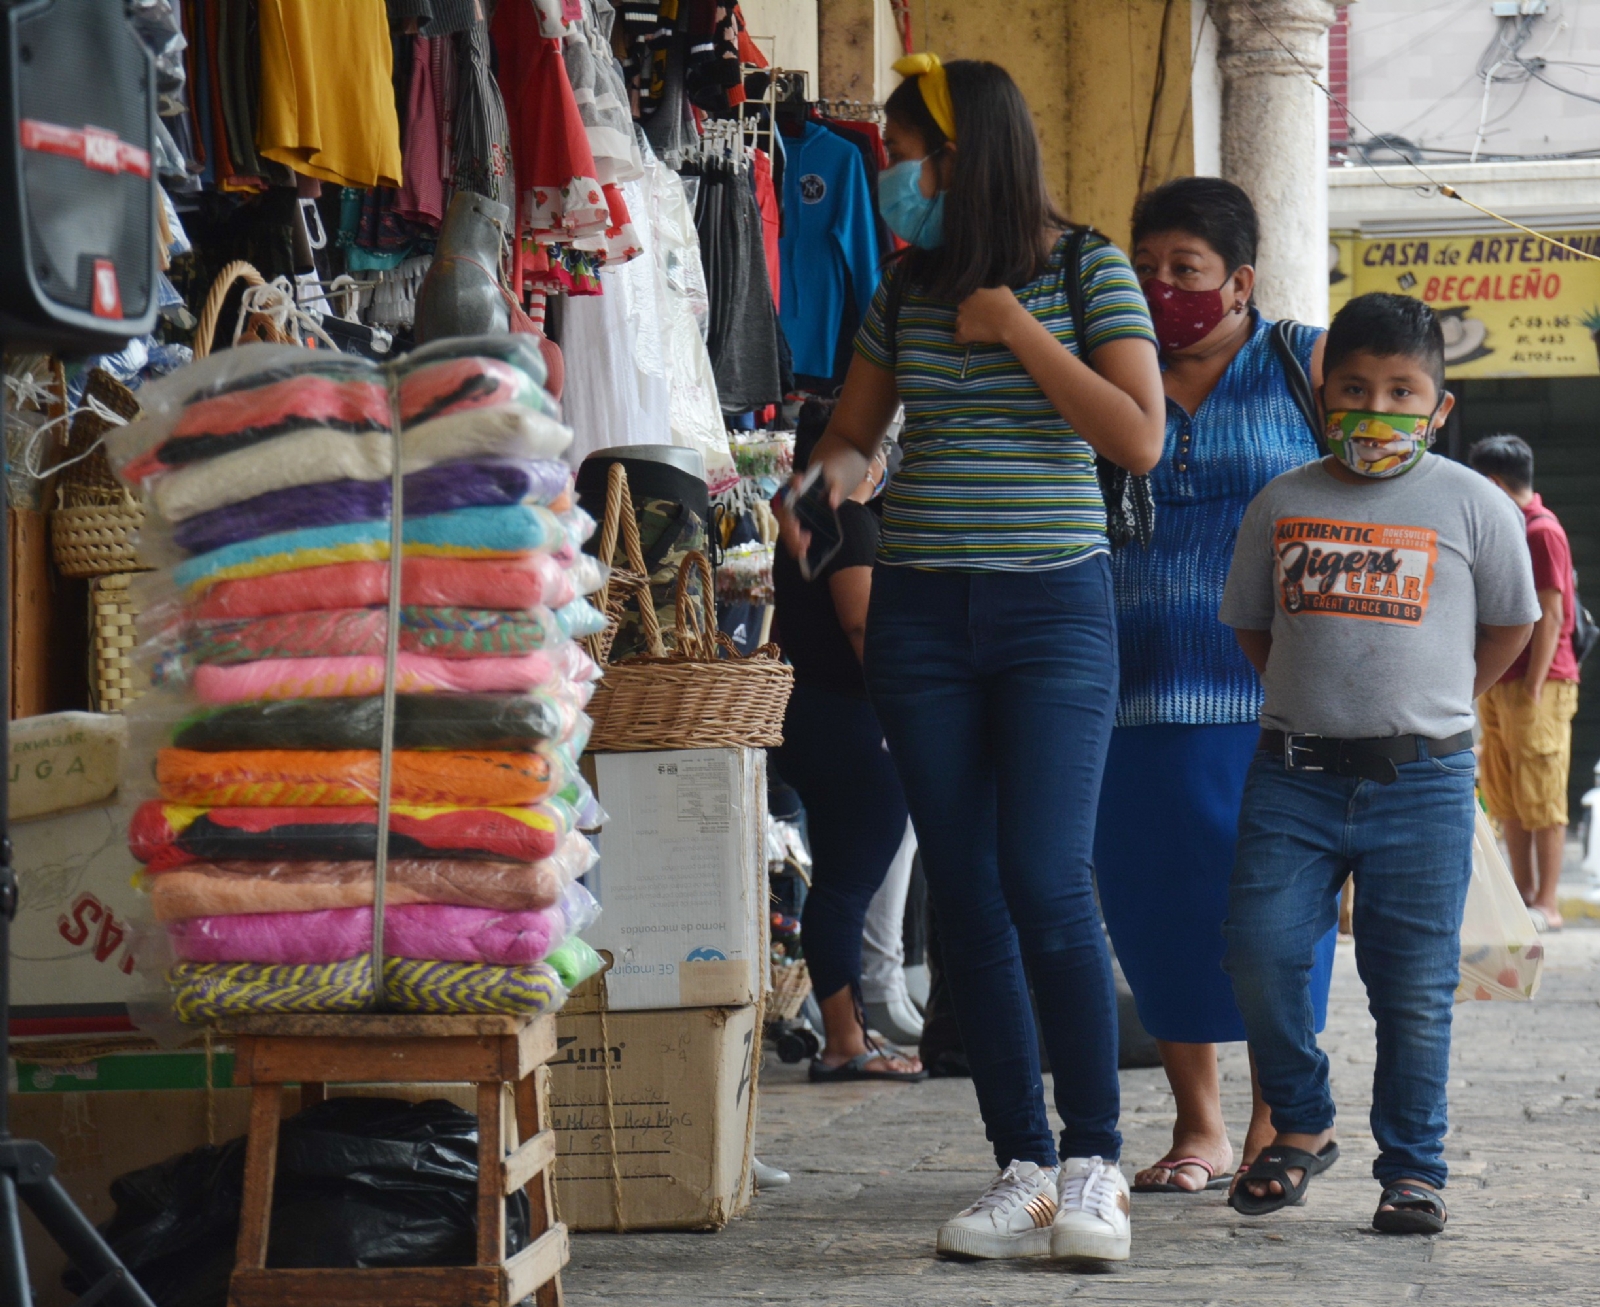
{"points": [[1274, 143], [847, 36]]}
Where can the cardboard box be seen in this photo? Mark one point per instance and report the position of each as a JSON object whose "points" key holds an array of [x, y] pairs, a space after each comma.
{"points": [[682, 1103], [682, 880], [98, 1136], [73, 967]]}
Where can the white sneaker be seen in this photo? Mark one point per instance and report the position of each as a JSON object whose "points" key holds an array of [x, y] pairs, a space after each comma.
{"points": [[1011, 1219], [1092, 1217]]}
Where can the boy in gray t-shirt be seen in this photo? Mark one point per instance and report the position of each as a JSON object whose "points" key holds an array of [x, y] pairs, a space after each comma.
{"points": [[1378, 592]]}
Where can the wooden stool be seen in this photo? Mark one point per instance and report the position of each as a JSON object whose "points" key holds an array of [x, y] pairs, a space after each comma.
{"points": [[503, 1056]]}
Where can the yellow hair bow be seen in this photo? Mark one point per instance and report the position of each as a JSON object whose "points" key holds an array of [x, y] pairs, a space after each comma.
{"points": [[934, 84]]}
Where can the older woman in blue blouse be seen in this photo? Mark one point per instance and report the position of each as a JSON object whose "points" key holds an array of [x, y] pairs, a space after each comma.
{"points": [[1187, 713]]}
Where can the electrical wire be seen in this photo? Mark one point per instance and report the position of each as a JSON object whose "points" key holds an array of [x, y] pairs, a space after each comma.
{"points": [[1439, 187], [1566, 90]]}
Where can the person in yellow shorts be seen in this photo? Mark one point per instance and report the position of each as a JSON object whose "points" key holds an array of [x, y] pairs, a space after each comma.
{"points": [[1527, 716]]}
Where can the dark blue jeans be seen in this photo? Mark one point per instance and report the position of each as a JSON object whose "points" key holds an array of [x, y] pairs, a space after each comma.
{"points": [[1408, 847], [833, 756], [996, 691]]}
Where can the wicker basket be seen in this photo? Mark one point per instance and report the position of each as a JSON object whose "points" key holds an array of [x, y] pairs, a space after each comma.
{"points": [[704, 695], [790, 986], [96, 520], [623, 583], [114, 680], [257, 327]]}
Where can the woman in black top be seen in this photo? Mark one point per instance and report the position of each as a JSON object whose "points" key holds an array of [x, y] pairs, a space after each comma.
{"points": [[834, 756]]}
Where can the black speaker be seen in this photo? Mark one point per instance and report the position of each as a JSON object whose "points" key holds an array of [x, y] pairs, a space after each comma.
{"points": [[78, 194]]}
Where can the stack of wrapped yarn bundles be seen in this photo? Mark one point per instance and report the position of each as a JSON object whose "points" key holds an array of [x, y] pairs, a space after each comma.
{"points": [[268, 473]]}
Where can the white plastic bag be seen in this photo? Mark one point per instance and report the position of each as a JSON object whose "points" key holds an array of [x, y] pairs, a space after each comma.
{"points": [[1501, 956]]}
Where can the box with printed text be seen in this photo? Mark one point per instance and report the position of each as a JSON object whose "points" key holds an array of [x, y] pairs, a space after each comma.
{"points": [[682, 878]]}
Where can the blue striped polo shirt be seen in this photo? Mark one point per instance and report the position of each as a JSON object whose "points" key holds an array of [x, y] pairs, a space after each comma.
{"points": [[994, 479]]}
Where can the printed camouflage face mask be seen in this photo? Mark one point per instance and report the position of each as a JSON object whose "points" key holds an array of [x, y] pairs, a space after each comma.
{"points": [[1379, 444]]}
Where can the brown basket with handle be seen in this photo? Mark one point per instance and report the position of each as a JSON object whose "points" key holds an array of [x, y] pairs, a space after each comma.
{"points": [[623, 583], [97, 519], [703, 695], [257, 327]]}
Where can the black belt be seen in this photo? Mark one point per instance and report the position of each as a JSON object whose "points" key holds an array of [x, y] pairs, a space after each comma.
{"points": [[1373, 760]]}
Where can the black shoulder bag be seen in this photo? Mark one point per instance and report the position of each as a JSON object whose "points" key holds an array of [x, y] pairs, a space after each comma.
{"points": [[1283, 332], [1130, 507]]}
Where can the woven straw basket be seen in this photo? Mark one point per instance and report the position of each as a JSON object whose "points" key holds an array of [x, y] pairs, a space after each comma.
{"points": [[704, 695], [257, 327], [96, 520], [623, 583], [114, 678], [790, 987]]}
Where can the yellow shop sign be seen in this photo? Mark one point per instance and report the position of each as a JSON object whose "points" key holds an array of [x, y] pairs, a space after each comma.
{"points": [[1511, 305]]}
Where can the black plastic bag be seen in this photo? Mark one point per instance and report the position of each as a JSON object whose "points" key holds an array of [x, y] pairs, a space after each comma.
{"points": [[369, 1182]]}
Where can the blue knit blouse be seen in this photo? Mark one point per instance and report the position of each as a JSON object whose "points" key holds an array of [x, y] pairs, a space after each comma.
{"points": [[1179, 663]]}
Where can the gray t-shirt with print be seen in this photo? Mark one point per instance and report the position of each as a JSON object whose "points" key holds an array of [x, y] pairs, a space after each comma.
{"points": [[1374, 593]]}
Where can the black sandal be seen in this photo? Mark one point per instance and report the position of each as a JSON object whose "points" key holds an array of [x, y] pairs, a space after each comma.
{"points": [[1275, 1163], [1412, 1210], [856, 1069]]}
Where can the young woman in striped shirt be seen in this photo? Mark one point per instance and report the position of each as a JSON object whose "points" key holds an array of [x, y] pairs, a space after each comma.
{"points": [[991, 649]]}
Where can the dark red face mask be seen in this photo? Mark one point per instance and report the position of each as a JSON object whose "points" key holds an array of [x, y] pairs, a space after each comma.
{"points": [[1182, 317]]}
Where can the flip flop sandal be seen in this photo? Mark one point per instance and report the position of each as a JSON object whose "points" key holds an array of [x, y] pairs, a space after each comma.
{"points": [[1275, 1163], [856, 1069], [1213, 1180], [1412, 1210]]}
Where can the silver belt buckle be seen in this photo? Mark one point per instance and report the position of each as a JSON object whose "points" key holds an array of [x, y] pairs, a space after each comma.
{"points": [[1291, 743]]}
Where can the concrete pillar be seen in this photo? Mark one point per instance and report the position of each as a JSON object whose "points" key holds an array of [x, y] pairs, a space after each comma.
{"points": [[847, 34], [1274, 143]]}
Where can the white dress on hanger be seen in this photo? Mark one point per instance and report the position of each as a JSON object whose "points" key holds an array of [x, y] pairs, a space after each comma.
{"points": [[637, 368]]}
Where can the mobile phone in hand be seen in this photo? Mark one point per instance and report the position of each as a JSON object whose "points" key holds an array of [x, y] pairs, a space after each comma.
{"points": [[812, 506]]}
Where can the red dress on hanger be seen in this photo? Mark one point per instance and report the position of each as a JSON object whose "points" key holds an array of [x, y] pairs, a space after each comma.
{"points": [[559, 198]]}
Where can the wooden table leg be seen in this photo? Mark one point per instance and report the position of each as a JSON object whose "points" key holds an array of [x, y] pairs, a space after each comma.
{"points": [[533, 1101], [491, 1175], [260, 1168]]}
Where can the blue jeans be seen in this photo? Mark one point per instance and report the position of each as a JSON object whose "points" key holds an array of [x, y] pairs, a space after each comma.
{"points": [[1408, 847], [996, 691], [833, 755]]}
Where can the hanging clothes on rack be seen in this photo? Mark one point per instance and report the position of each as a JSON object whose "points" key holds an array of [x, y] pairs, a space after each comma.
{"points": [[480, 129], [829, 247], [742, 340], [638, 369], [327, 103], [427, 149], [867, 136], [771, 219], [719, 47], [572, 219]]}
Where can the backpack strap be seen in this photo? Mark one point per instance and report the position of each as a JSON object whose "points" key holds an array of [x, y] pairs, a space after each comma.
{"points": [[1282, 334], [1130, 503]]}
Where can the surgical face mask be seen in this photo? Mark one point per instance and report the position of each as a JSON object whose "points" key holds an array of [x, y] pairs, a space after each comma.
{"points": [[1182, 317], [1379, 444], [911, 215]]}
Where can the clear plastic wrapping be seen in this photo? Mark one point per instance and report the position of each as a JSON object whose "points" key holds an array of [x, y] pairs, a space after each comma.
{"points": [[309, 732]]}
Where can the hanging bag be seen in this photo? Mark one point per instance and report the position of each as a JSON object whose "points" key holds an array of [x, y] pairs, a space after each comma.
{"points": [[1501, 956]]}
